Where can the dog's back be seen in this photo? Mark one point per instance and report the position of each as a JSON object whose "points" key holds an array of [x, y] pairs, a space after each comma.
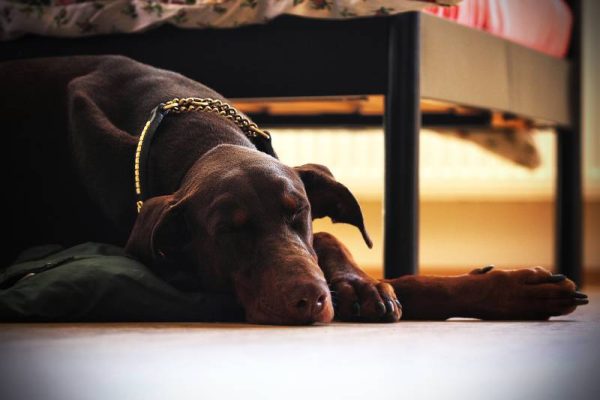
{"points": [[70, 127]]}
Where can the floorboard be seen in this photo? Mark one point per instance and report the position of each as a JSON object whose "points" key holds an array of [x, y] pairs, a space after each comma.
{"points": [[459, 359]]}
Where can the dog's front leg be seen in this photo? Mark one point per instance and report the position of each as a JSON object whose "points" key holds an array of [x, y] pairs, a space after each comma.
{"points": [[522, 294], [357, 296]]}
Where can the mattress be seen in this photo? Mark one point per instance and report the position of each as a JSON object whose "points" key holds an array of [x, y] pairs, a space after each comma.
{"points": [[544, 25], [72, 18]]}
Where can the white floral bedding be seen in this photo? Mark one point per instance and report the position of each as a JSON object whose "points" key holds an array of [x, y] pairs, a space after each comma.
{"points": [[89, 17]]}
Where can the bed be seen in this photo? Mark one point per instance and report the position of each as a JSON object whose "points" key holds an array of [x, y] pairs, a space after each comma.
{"points": [[405, 57]]}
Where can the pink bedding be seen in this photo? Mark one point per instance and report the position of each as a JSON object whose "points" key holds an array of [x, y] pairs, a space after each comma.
{"points": [[544, 25]]}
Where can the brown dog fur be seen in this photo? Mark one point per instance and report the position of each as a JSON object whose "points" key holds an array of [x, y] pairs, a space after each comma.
{"points": [[224, 216]]}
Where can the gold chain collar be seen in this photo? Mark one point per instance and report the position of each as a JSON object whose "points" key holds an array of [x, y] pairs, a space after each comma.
{"points": [[188, 104], [218, 107]]}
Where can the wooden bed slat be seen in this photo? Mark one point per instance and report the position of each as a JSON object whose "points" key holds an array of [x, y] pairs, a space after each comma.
{"points": [[464, 66], [539, 85]]}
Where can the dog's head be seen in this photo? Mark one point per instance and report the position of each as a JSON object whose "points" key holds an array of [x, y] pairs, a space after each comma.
{"points": [[243, 222]]}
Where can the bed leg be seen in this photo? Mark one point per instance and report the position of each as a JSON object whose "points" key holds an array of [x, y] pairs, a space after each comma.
{"points": [[569, 198], [568, 247], [402, 122]]}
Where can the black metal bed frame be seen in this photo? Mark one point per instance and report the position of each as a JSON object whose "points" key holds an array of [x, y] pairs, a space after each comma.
{"points": [[299, 57]]}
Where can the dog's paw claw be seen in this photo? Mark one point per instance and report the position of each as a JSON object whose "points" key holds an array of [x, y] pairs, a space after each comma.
{"points": [[556, 278], [482, 270], [380, 308], [362, 299], [398, 304], [581, 302], [487, 268], [389, 307]]}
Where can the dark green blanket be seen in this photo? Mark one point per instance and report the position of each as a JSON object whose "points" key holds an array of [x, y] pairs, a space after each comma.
{"points": [[98, 282]]}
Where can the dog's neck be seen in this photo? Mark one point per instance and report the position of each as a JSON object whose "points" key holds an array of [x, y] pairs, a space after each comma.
{"points": [[181, 142]]}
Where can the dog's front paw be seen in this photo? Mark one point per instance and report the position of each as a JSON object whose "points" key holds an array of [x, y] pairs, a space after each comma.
{"points": [[362, 299], [531, 293]]}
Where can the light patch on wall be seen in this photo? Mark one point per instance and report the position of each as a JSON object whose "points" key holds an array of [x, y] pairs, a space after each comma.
{"points": [[451, 169]]}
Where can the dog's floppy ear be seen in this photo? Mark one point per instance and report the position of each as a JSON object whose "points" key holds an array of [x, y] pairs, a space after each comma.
{"points": [[330, 198], [159, 229]]}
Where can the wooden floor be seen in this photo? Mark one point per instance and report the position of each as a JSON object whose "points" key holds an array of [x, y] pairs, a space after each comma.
{"points": [[463, 359]]}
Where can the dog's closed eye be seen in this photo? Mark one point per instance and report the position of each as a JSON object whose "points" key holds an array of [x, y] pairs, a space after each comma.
{"points": [[299, 218], [236, 222]]}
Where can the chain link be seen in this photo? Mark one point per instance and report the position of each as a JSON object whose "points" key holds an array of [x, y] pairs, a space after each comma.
{"points": [[190, 104], [218, 107]]}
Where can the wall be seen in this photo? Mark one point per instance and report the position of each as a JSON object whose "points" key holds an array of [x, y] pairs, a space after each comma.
{"points": [[591, 93], [457, 236]]}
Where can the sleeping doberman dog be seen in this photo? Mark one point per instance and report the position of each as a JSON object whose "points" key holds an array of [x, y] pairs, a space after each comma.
{"points": [[222, 216]]}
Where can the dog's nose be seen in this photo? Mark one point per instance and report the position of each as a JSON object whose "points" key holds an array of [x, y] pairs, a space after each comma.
{"points": [[308, 301]]}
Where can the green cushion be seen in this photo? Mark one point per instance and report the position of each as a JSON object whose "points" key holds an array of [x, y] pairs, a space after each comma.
{"points": [[98, 282]]}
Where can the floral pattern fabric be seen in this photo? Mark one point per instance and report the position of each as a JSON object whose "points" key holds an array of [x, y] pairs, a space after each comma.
{"points": [[69, 18]]}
